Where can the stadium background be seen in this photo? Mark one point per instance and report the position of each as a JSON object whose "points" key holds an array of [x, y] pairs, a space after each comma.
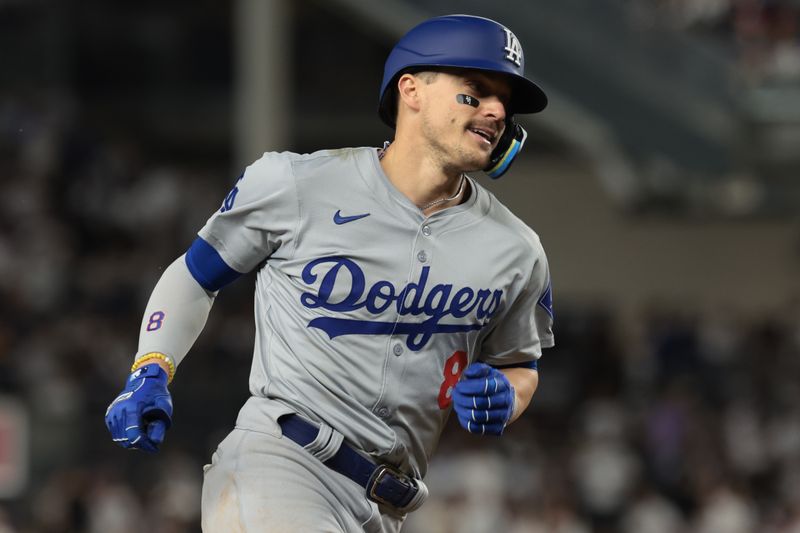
{"points": [[662, 180]]}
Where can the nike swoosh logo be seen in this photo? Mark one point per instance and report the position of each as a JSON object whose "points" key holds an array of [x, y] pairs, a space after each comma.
{"points": [[339, 219]]}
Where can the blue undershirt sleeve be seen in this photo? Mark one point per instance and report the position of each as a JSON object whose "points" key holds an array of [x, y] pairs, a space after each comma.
{"points": [[207, 267], [533, 365]]}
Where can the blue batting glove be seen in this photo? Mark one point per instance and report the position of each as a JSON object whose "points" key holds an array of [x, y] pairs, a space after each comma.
{"points": [[141, 415], [483, 400]]}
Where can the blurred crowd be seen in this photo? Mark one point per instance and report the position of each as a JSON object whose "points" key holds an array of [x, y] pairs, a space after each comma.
{"points": [[677, 421], [762, 35]]}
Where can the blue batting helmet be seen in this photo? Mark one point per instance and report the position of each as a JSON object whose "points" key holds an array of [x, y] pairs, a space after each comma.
{"points": [[461, 41]]}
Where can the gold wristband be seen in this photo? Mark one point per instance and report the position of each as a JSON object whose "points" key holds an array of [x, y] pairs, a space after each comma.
{"points": [[141, 361]]}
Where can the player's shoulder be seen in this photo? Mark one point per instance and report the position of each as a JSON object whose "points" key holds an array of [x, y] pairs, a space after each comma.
{"points": [[308, 166], [333, 154], [330, 154], [497, 214]]}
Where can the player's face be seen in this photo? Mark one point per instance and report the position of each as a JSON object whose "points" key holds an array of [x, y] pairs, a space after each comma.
{"points": [[461, 135]]}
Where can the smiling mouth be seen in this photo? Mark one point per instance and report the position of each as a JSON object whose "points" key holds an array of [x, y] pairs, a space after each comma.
{"points": [[486, 136]]}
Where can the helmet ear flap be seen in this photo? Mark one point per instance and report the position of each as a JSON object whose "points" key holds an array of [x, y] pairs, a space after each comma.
{"points": [[507, 149]]}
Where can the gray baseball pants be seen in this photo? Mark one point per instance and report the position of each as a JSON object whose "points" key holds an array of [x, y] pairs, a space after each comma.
{"points": [[259, 482]]}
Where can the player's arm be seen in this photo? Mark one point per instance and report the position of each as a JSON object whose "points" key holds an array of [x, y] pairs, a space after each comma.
{"points": [[180, 304], [495, 390], [524, 382], [257, 216], [173, 320]]}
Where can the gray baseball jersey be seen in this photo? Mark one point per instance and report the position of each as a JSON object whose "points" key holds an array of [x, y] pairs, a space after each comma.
{"points": [[367, 311]]}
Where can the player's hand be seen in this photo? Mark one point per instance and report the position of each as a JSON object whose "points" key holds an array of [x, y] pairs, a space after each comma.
{"points": [[140, 416], [483, 400]]}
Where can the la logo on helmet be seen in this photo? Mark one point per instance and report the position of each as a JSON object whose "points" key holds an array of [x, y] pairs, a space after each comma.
{"points": [[513, 48]]}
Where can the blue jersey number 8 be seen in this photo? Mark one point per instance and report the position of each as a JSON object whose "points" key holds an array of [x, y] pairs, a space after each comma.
{"points": [[227, 204]]}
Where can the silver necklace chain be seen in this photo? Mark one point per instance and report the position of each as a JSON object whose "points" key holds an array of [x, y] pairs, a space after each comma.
{"points": [[435, 202], [443, 200]]}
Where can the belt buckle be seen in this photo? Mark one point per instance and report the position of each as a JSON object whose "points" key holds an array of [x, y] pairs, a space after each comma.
{"points": [[381, 472]]}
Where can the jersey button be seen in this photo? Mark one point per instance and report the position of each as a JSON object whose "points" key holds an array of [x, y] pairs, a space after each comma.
{"points": [[397, 349], [426, 230], [383, 412], [422, 256]]}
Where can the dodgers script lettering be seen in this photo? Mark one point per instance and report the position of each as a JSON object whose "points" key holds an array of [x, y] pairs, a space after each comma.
{"points": [[441, 301]]}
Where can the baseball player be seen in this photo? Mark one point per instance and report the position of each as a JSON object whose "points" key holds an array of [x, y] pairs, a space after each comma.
{"points": [[392, 289]]}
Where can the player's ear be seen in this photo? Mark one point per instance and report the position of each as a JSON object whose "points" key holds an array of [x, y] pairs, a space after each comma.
{"points": [[408, 90]]}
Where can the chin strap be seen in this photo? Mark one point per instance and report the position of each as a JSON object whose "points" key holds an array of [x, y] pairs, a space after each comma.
{"points": [[510, 144]]}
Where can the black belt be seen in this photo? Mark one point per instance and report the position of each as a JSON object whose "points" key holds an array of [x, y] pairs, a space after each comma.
{"points": [[383, 483]]}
